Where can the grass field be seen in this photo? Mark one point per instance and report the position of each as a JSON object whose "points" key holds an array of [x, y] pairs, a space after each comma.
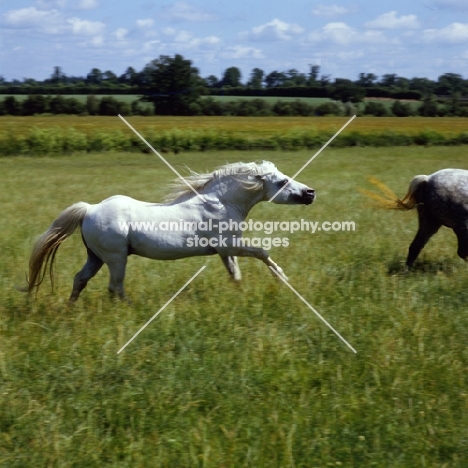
{"points": [[237, 375], [252, 126]]}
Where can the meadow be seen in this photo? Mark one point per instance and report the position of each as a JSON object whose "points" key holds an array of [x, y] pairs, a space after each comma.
{"points": [[233, 375], [47, 135], [253, 127]]}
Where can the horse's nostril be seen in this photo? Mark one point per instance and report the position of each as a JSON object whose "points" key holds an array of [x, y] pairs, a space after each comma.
{"points": [[310, 192]]}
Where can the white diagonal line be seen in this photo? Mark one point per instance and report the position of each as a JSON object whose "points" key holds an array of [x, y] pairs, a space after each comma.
{"points": [[313, 157], [313, 310], [161, 309], [164, 160]]}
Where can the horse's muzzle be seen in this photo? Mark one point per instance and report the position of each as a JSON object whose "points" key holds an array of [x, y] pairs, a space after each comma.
{"points": [[308, 196]]}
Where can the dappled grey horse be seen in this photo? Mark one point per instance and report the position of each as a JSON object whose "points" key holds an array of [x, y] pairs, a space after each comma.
{"points": [[441, 200]]}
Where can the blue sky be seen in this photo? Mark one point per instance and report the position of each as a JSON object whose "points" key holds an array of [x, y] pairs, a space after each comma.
{"points": [[345, 37]]}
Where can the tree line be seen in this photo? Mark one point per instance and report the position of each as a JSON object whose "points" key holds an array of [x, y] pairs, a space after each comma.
{"points": [[174, 87]]}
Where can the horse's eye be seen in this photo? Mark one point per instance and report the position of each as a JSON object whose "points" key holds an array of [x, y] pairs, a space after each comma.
{"points": [[284, 182]]}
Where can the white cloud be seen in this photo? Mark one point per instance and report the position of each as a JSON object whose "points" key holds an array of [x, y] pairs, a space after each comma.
{"points": [[85, 27], [455, 33], [120, 34], [87, 4], [238, 52], [51, 22], [329, 10], [392, 21], [182, 11], [341, 34], [275, 30], [145, 23], [150, 45], [351, 55], [177, 35], [29, 17], [97, 41]]}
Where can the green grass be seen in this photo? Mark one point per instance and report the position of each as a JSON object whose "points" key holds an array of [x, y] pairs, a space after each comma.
{"points": [[252, 126], [245, 375]]}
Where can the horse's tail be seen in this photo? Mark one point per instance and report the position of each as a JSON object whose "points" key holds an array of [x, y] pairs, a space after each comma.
{"points": [[46, 246], [390, 201]]}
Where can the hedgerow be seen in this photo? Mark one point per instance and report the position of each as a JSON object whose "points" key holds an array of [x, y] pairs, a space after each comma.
{"points": [[57, 141]]}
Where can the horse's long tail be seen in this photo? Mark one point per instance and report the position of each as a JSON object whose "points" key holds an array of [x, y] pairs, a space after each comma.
{"points": [[46, 246], [390, 201]]}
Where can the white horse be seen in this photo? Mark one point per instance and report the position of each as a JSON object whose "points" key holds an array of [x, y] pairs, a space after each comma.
{"points": [[120, 226]]}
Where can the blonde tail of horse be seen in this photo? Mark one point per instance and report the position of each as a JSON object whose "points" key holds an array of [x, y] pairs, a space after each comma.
{"points": [[390, 201], [45, 248]]}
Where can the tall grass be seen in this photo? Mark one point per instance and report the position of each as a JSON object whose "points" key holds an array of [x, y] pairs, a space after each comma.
{"points": [[39, 141], [238, 375]]}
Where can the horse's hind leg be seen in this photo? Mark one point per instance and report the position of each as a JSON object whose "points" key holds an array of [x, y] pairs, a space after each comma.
{"points": [[462, 236], [91, 267], [117, 276], [428, 226]]}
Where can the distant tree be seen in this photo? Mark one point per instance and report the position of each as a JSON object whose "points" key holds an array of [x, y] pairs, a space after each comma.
{"points": [[92, 105], [212, 81], [94, 77], [325, 80], [129, 77], [450, 83], [57, 76], [256, 78], [74, 106], [231, 77], [12, 106], [423, 85], [401, 109], [34, 104], [314, 75], [346, 91], [294, 78], [402, 83], [109, 106], [57, 105], [366, 80], [328, 108], [375, 108], [454, 106], [388, 80], [109, 77], [429, 107], [30, 82], [275, 79], [174, 84]]}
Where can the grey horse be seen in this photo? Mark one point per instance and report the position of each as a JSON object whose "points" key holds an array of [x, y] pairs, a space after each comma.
{"points": [[441, 200]]}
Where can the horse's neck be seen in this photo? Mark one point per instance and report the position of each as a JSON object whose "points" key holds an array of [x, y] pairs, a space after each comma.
{"points": [[232, 193]]}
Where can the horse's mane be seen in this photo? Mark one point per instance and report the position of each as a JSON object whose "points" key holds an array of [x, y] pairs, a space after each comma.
{"points": [[239, 171]]}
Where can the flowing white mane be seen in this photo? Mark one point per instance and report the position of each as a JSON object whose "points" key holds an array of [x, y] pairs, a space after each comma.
{"points": [[240, 171]]}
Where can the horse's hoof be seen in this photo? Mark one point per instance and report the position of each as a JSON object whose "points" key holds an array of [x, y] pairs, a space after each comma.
{"points": [[281, 274]]}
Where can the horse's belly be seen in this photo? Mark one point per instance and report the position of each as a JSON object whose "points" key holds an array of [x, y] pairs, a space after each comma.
{"points": [[172, 254], [169, 248]]}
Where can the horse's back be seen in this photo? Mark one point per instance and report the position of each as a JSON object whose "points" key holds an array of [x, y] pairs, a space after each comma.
{"points": [[105, 225], [447, 196]]}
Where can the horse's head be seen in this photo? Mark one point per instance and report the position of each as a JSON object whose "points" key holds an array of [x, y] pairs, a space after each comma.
{"points": [[280, 188]]}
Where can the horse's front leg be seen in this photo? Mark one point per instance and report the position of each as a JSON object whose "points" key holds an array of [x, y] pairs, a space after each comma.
{"points": [[232, 267], [256, 252]]}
